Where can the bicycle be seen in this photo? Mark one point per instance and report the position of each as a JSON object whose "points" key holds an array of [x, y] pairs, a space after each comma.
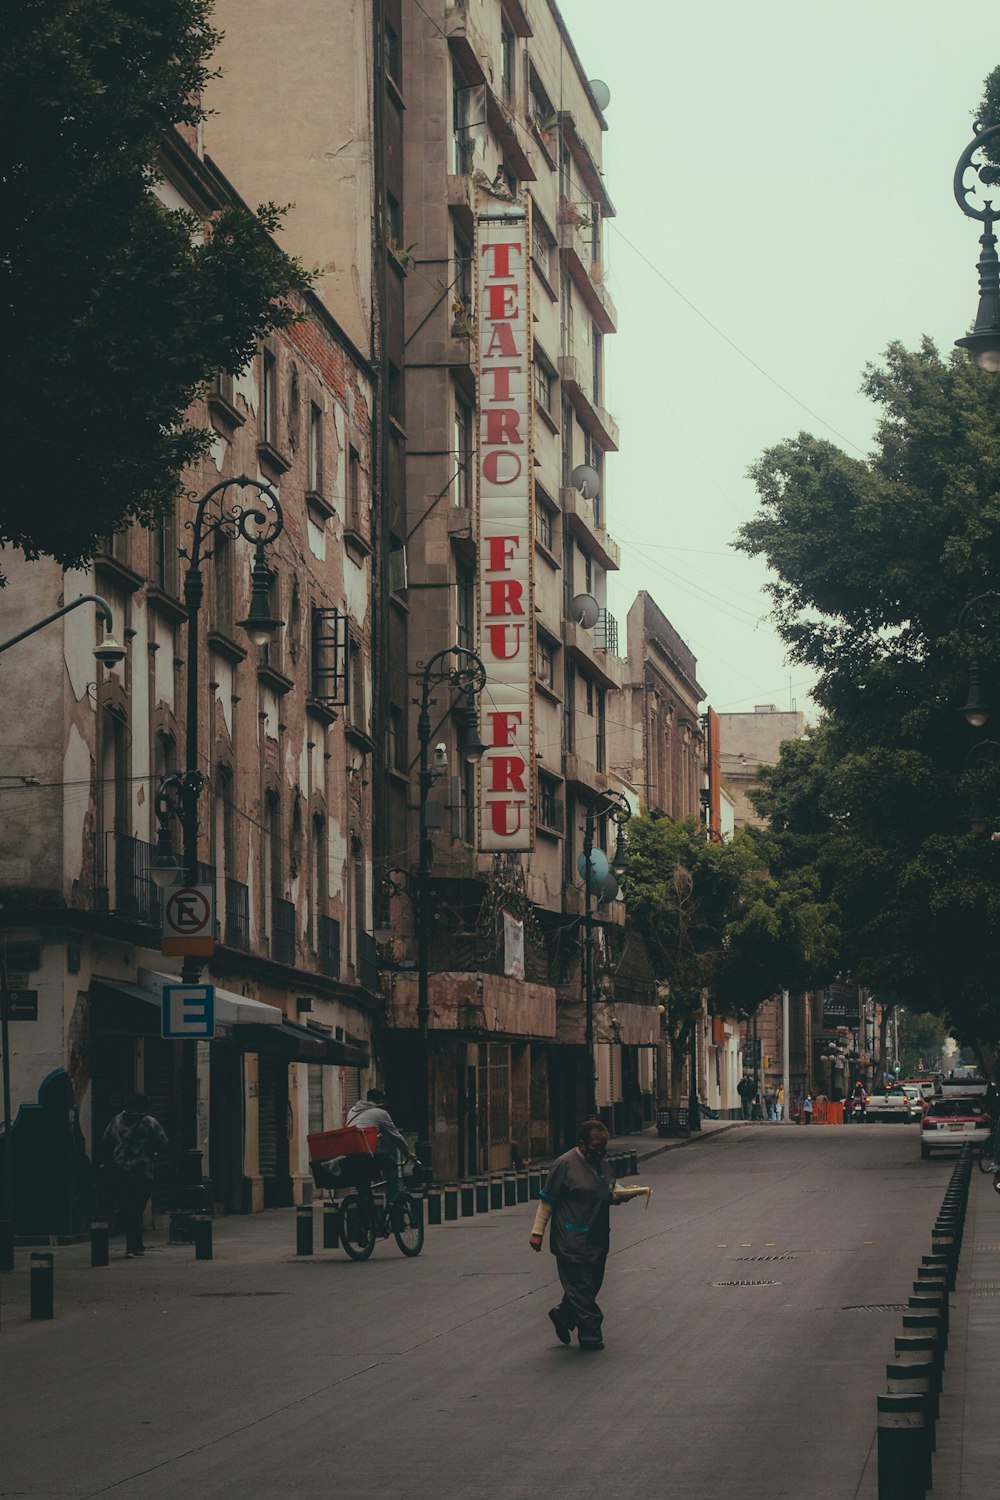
{"points": [[989, 1156], [364, 1219]]}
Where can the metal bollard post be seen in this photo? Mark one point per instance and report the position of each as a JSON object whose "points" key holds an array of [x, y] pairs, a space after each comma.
{"points": [[509, 1190], [331, 1226], [904, 1461], [496, 1192], [522, 1187], [433, 1199], [203, 1237], [936, 1302], [41, 1286], [916, 1380], [534, 1186], [467, 1194], [451, 1200], [633, 1163], [482, 1196], [930, 1326], [304, 1230], [99, 1232]]}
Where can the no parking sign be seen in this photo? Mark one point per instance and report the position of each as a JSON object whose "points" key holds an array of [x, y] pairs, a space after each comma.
{"points": [[189, 921]]}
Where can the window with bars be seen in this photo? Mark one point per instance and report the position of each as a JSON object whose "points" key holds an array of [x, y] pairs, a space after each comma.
{"points": [[550, 812], [465, 608], [330, 642], [315, 449], [541, 384], [543, 522]]}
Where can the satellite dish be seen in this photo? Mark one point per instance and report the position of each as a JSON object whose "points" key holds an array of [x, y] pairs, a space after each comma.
{"points": [[601, 93], [608, 890], [586, 479], [585, 611], [599, 868]]}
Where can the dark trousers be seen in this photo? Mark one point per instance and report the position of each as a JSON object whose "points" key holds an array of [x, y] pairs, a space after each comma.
{"points": [[581, 1282], [133, 1195]]}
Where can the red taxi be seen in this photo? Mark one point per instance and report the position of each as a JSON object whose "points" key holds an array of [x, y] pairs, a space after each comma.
{"points": [[948, 1123]]}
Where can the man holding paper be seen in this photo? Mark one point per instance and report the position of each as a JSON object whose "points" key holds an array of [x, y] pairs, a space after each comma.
{"points": [[576, 1201]]}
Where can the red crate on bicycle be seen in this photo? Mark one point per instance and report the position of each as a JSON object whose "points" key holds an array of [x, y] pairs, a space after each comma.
{"points": [[350, 1140]]}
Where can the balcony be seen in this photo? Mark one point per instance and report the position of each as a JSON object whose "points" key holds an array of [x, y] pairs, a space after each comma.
{"points": [[237, 926], [577, 386], [282, 930], [584, 647], [329, 947], [583, 524], [577, 253], [367, 963], [606, 633], [129, 877]]}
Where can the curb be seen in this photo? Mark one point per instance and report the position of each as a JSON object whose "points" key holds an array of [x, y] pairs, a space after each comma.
{"points": [[691, 1141]]}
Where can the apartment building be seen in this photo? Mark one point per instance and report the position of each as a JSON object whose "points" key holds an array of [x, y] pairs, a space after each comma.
{"points": [[284, 741]]}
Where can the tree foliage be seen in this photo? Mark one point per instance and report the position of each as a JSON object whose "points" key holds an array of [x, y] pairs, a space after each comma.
{"points": [[114, 308], [875, 563], [716, 922]]}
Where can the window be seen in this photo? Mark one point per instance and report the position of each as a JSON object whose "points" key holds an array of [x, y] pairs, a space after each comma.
{"points": [[328, 680], [541, 384], [462, 440], [463, 143], [588, 573], [507, 60], [600, 757], [462, 277], [357, 707], [269, 399], [597, 357], [465, 615], [390, 52], [393, 221], [541, 246], [164, 539], [566, 314], [222, 574], [395, 394], [507, 177], [567, 444], [540, 109], [543, 524], [396, 739], [315, 449], [467, 803], [569, 707], [549, 805], [354, 489], [545, 662]]}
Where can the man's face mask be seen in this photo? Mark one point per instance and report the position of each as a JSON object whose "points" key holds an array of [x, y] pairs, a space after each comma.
{"points": [[596, 1151]]}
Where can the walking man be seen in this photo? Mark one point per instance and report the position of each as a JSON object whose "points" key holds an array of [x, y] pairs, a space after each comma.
{"points": [[577, 1199], [131, 1145], [745, 1090]]}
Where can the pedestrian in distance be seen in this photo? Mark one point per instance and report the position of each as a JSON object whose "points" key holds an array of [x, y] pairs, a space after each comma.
{"points": [[576, 1203], [770, 1105], [745, 1090], [859, 1103], [807, 1109], [779, 1103], [130, 1147]]}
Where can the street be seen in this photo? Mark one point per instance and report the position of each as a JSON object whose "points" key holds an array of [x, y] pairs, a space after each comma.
{"points": [[749, 1314]]}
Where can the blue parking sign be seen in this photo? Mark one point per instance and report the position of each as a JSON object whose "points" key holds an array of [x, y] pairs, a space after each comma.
{"points": [[188, 1011]]}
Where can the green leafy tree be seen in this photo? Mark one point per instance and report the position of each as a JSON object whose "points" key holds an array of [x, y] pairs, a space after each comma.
{"points": [[113, 308], [874, 563], [717, 925]]}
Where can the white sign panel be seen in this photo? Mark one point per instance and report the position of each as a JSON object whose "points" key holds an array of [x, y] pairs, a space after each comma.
{"points": [[505, 473]]}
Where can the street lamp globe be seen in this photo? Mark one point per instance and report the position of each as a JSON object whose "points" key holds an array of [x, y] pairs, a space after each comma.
{"points": [[260, 625]]}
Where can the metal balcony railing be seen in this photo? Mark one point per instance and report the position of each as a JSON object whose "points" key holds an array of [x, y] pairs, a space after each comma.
{"points": [[135, 894], [237, 914], [367, 962], [282, 930], [329, 946], [606, 633]]}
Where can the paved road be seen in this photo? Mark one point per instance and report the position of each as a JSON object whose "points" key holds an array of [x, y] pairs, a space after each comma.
{"points": [[259, 1374]]}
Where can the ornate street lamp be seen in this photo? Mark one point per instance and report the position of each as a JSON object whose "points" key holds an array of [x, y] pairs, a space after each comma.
{"points": [[976, 708], [615, 806], [983, 343]]}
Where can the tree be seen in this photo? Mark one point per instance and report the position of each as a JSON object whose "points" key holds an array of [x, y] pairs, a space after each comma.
{"points": [[875, 561], [113, 308], [716, 923]]}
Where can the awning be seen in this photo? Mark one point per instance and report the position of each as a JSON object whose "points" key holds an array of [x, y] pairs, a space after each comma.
{"points": [[230, 1009], [303, 1044]]}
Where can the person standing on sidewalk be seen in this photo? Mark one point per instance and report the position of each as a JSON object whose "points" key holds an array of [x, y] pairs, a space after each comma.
{"points": [[576, 1200], [745, 1090], [130, 1146], [779, 1102]]}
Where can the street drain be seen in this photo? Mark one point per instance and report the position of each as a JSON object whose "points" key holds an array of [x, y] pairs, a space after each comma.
{"points": [[240, 1294], [876, 1307], [496, 1273], [765, 1257], [746, 1283]]}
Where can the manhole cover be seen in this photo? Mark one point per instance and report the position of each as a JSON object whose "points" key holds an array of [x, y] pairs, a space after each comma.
{"points": [[766, 1257], [892, 1307], [746, 1283]]}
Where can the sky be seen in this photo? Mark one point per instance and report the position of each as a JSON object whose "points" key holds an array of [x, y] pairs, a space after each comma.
{"points": [[783, 171]]}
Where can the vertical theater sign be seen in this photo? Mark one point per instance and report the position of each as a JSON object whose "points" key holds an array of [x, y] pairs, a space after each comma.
{"points": [[505, 474]]}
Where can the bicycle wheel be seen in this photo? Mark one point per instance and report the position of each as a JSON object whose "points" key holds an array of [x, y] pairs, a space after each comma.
{"points": [[986, 1158], [357, 1232], [408, 1224]]}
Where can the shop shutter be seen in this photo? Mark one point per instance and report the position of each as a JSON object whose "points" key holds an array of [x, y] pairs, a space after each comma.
{"points": [[603, 1058], [267, 1116], [350, 1087], [316, 1121]]}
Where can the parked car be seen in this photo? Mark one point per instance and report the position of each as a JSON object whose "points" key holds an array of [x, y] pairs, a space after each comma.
{"points": [[927, 1084], [952, 1121], [900, 1104]]}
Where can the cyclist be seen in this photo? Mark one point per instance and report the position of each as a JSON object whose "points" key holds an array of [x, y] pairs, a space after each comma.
{"points": [[391, 1145]]}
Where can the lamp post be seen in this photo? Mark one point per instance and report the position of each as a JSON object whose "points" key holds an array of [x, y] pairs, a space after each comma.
{"points": [[108, 653], [983, 343], [261, 523], [461, 671], [615, 806]]}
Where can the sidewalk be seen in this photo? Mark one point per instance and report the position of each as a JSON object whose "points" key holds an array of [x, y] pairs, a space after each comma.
{"points": [[647, 1143], [967, 1461]]}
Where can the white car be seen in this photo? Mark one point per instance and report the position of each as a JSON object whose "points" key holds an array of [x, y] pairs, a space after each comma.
{"points": [[950, 1122], [901, 1103]]}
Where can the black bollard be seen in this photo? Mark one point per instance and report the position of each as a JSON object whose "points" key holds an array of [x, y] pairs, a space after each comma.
{"points": [[633, 1163], [929, 1324], [304, 1230], [916, 1380], [331, 1226], [42, 1281], [203, 1237], [535, 1180], [936, 1302], [482, 1196], [433, 1200], [904, 1460], [522, 1187], [467, 1194], [99, 1231], [496, 1192], [451, 1201], [509, 1190]]}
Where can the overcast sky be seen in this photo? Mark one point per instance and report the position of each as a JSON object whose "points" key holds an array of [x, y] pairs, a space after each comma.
{"points": [[785, 167]]}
